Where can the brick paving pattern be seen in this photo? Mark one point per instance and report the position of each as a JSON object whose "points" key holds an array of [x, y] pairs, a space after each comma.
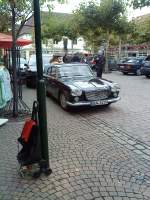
{"points": [[131, 114], [92, 157]]}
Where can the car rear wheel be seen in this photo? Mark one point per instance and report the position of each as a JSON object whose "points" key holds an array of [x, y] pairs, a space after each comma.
{"points": [[63, 101], [148, 76]]}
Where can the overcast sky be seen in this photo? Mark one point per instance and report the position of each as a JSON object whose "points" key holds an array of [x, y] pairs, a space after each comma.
{"points": [[73, 4]]}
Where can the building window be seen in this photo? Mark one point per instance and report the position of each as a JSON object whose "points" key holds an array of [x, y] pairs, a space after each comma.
{"points": [[75, 41], [55, 42]]}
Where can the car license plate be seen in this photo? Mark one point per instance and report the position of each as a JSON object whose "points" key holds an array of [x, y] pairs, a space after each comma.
{"points": [[121, 67], [100, 102]]}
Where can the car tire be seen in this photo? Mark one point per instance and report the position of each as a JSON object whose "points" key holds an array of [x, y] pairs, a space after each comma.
{"points": [[125, 73], [138, 72], [148, 76], [63, 101], [107, 105]]}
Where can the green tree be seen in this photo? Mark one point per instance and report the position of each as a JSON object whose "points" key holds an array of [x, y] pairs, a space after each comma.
{"points": [[88, 26], [141, 31], [103, 17], [123, 28], [5, 22], [23, 10], [110, 14], [59, 28], [140, 3]]}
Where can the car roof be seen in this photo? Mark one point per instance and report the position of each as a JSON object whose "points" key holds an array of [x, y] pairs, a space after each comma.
{"points": [[70, 64]]}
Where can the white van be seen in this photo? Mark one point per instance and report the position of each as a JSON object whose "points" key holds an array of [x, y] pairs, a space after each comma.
{"points": [[32, 68], [32, 61]]}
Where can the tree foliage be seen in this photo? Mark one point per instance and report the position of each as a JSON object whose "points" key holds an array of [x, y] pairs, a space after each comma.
{"points": [[140, 3], [23, 10], [96, 20], [58, 27], [5, 22], [141, 31]]}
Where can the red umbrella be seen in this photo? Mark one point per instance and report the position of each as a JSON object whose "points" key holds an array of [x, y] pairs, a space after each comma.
{"points": [[6, 41]]}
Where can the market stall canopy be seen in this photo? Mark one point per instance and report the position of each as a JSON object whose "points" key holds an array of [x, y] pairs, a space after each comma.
{"points": [[6, 41]]}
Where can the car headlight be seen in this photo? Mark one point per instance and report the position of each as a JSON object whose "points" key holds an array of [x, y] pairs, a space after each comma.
{"points": [[115, 88], [76, 92]]}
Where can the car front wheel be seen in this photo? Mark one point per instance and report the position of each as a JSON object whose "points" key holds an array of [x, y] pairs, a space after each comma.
{"points": [[63, 101], [107, 105]]}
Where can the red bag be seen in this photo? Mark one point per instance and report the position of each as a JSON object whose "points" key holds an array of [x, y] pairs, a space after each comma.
{"points": [[27, 129]]}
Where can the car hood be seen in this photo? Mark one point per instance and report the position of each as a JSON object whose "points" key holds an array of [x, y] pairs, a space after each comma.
{"points": [[87, 84]]}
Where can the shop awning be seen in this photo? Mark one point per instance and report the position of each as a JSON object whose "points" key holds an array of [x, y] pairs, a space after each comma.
{"points": [[6, 41]]}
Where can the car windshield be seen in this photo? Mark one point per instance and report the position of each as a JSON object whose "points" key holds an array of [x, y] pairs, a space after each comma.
{"points": [[72, 71]]}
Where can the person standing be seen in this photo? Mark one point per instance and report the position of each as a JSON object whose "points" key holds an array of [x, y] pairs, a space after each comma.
{"points": [[100, 63], [75, 58], [65, 58]]}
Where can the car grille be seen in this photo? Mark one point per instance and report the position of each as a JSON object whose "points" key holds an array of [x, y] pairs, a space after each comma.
{"points": [[97, 95]]}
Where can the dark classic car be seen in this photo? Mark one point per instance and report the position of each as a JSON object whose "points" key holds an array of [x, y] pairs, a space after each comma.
{"points": [[122, 60], [76, 85], [145, 69], [132, 65]]}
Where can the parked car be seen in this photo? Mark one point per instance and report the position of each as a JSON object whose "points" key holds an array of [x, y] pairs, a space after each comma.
{"points": [[132, 65], [112, 64], [23, 63], [145, 69], [76, 85], [23, 66], [123, 60], [31, 73]]}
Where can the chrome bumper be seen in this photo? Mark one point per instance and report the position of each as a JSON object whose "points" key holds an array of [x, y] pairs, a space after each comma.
{"points": [[88, 103]]}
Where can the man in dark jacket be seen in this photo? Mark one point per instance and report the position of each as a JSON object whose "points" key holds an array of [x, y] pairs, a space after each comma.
{"points": [[100, 63], [75, 58]]}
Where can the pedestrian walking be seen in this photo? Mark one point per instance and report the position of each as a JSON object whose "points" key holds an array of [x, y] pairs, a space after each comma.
{"points": [[100, 63]]}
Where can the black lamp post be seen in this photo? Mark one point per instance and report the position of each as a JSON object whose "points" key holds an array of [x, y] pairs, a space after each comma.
{"points": [[41, 93]]}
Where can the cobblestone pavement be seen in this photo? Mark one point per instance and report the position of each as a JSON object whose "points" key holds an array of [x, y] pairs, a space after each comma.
{"points": [[91, 159], [131, 114]]}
